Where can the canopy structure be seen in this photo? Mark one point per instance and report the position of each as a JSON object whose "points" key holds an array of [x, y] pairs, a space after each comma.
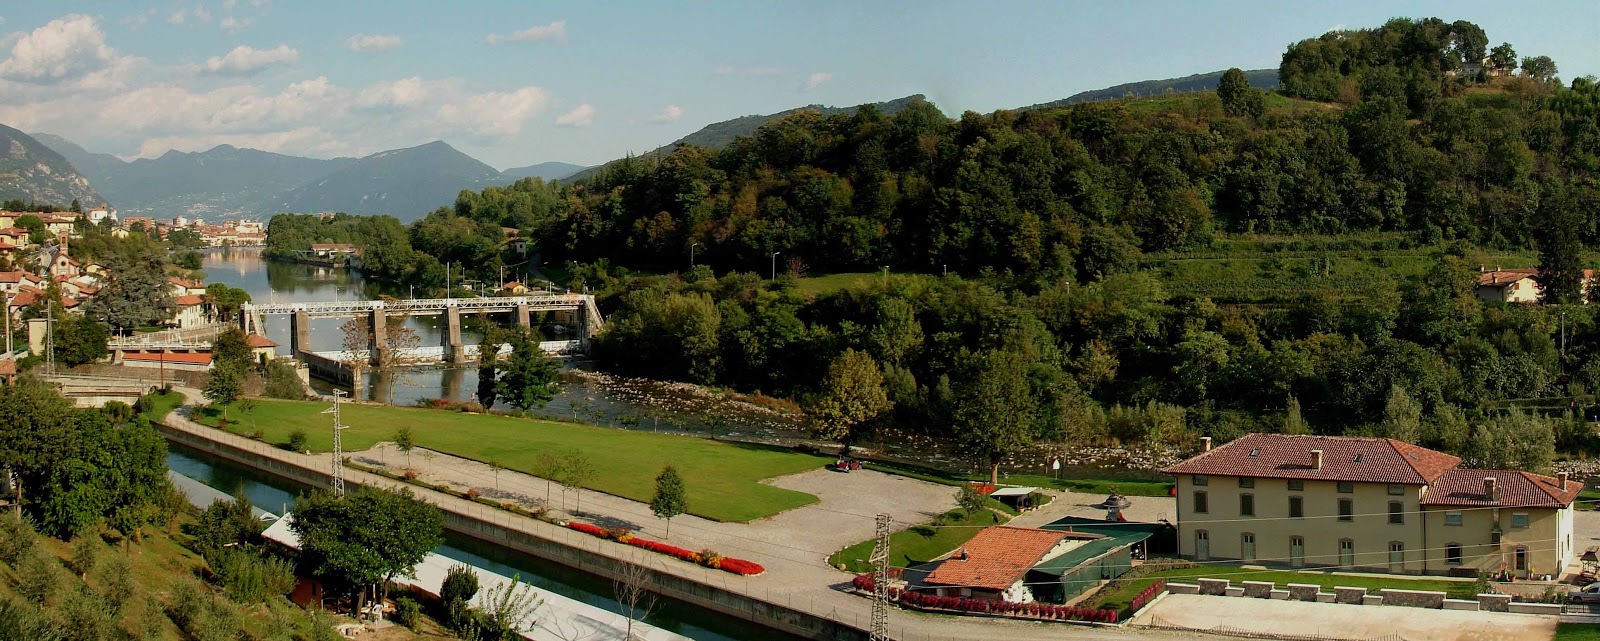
{"points": [[1013, 492]]}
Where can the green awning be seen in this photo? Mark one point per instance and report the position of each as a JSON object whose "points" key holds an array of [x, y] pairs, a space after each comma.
{"points": [[1087, 552]]}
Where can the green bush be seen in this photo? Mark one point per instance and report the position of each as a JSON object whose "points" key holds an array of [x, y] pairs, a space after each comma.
{"points": [[17, 538], [188, 601], [249, 578], [407, 612], [284, 382], [297, 440], [116, 581], [40, 577]]}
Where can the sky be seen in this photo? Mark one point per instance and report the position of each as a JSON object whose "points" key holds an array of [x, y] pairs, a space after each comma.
{"points": [[518, 82]]}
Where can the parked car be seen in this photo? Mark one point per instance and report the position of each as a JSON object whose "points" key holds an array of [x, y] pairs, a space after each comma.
{"points": [[1589, 594]]}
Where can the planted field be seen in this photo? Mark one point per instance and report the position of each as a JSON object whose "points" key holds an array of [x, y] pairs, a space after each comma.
{"points": [[723, 479]]}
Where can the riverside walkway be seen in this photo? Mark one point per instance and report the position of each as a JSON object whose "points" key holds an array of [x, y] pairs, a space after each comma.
{"points": [[797, 580]]}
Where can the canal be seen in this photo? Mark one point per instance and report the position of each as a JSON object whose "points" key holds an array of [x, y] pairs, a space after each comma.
{"points": [[277, 496]]}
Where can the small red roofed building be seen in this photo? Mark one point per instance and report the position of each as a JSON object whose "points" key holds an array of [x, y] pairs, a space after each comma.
{"points": [[186, 287], [191, 312], [515, 288], [262, 348], [1519, 285], [992, 565]]}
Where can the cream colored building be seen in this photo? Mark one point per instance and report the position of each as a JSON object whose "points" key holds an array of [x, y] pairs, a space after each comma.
{"points": [[1370, 504]]}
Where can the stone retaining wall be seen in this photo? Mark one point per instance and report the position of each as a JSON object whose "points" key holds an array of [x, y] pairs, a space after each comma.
{"points": [[1258, 589], [1413, 598], [1352, 596], [1359, 596], [1493, 602], [1214, 587], [1303, 591]]}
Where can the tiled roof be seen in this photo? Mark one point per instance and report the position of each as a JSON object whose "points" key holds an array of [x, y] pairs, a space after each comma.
{"points": [[193, 358], [16, 277], [258, 341], [996, 558], [1511, 488], [189, 300], [1503, 277], [1361, 460]]}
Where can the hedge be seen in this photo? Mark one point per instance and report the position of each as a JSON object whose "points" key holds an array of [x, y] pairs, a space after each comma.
{"points": [[930, 601]]}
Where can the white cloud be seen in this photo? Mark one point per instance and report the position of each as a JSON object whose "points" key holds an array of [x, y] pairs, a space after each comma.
{"points": [[137, 21], [670, 113], [200, 13], [554, 31], [816, 80], [372, 42], [245, 60], [579, 117], [66, 48], [495, 113], [231, 24], [228, 5], [178, 16], [724, 70], [399, 93]]}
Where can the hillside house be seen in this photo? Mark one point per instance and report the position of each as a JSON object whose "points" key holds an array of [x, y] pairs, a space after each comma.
{"points": [[191, 312], [994, 563], [12, 282], [186, 287], [1519, 285], [1373, 504]]}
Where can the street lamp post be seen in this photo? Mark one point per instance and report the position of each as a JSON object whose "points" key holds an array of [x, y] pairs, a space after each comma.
{"points": [[691, 253], [775, 265]]}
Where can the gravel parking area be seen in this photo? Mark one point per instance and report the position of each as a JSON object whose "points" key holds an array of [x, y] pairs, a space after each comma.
{"points": [[1335, 621]]}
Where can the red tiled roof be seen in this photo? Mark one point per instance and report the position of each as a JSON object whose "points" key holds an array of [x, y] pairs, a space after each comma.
{"points": [[189, 300], [1503, 277], [193, 358], [1511, 488], [15, 277], [24, 298], [996, 558], [1361, 460], [187, 282], [258, 341]]}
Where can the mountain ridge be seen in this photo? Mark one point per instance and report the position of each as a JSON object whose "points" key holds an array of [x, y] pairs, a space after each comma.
{"points": [[31, 171]]}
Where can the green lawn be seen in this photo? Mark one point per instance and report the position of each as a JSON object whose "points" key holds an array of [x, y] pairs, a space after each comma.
{"points": [[1588, 500], [160, 404], [1577, 632], [830, 283], [920, 543], [1084, 485], [723, 479], [1120, 595]]}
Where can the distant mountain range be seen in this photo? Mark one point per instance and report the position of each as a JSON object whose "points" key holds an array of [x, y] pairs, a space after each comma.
{"points": [[229, 181], [31, 171]]}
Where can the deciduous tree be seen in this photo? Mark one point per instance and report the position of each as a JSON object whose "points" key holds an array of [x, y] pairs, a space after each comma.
{"points": [[852, 394], [366, 538], [670, 498], [994, 410]]}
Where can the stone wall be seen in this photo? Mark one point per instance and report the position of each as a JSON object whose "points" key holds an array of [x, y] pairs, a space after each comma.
{"points": [[1214, 587], [1493, 602], [1352, 596], [1303, 591], [1258, 589], [1413, 598]]}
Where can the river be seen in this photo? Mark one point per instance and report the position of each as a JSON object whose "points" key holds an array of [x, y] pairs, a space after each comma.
{"points": [[585, 395], [277, 496]]}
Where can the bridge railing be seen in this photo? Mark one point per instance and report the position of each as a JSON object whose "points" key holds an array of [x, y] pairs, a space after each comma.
{"points": [[428, 304]]}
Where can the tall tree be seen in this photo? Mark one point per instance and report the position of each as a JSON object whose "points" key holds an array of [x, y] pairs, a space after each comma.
{"points": [[670, 498], [994, 408], [363, 540], [226, 300], [224, 385], [852, 394], [1560, 275], [527, 378], [136, 295], [231, 348], [1238, 98], [489, 367], [1540, 68], [1402, 416], [1503, 58]]}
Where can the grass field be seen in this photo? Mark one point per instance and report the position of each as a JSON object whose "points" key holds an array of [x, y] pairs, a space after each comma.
{"points": [[920, 543], [1084, 485], [723, 479], [1120, 595], [1577, 632], [1247, 277], [829, 283], [159, 404]]}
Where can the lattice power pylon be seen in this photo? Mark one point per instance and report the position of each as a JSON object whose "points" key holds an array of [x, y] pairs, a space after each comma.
{"points": [[880, 581], [338, 447]]}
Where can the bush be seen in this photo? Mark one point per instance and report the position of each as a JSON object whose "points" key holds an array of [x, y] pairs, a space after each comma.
{"points": [[460, 585], [39, 577], [249, 578], [471, 407], [284, 382], [407, 612], [707, 558], [187, 603], [17, 538], [297, 440], [1146, 595], [116, 581]]}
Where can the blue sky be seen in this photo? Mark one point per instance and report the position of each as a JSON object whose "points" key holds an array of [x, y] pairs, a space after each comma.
{"points": [[519, 82]]}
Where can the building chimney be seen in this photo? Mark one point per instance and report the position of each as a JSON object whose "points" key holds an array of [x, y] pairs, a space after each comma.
{"points": [[1488, 488], [1563, 477], [1316, 459], [1205, 446]]}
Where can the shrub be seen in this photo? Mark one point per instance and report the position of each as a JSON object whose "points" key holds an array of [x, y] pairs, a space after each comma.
{"points": [[710, 558], [1146, 595], [411, 475], [186, 604], [116, 581], [473, 493], [471, 407], [297, 440], [460, 585], [17, 538], [249, 578], [39, 577], [407, 612]]}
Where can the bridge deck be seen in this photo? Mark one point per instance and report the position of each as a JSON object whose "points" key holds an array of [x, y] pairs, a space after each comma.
{"points": [[544, 302]]}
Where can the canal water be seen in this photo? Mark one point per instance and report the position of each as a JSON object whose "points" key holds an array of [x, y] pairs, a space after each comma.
{"points": [[277, 496]]}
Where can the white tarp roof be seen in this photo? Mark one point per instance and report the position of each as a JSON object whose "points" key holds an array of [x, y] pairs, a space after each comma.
{"points": [[1014, 491]]}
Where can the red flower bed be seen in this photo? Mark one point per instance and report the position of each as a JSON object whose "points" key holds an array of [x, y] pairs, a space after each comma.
{"points": [[727, 564], [928, 600], [1146, 595]]}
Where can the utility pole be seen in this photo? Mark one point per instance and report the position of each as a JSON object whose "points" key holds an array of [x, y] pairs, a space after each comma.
{"points": [[338, 448], [880, 581]]}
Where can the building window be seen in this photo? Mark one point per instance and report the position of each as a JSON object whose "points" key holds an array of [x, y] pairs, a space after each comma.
{"points": [[1297, 486], [1201, 506], [1346, 510], [1494, 536], [1247, 505], [1297, 507], [1201, 479], [1396, 489], [1519, 520], [1452, 518], [1346, 487], [1452, 554], [1397, 512], [1247, 482]]}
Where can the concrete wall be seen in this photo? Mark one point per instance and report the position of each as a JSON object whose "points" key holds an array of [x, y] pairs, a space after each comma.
{"points": [[1369, 530], [496, 526]]}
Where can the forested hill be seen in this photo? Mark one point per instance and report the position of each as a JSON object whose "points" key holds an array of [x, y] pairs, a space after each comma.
{"points": [[1259, 78], [32, 172]]}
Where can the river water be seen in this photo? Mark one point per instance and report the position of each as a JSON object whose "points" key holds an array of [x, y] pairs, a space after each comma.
{"points": [[277, 496]]}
